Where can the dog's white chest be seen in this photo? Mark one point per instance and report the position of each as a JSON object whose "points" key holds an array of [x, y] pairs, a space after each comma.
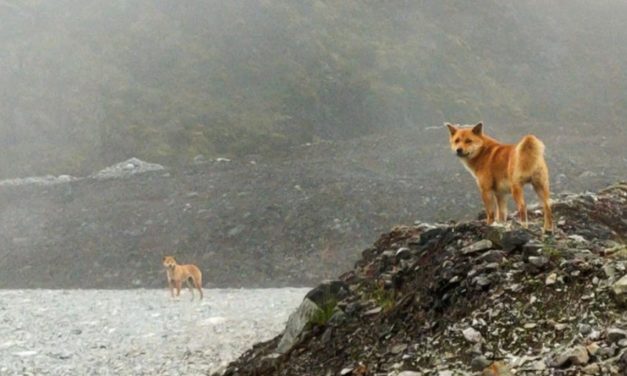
{"points": [[465, 164]]}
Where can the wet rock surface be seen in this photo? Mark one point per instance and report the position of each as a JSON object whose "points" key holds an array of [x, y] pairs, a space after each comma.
{"points": [[454, 304]]}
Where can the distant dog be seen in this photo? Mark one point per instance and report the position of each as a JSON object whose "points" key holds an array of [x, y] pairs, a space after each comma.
{"points": [[179, 273], [500, 169]]}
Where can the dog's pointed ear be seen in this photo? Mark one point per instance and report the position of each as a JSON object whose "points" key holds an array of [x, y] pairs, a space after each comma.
{"points": [[477, 129], [451, 128]]}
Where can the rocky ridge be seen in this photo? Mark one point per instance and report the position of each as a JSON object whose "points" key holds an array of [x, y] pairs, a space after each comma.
{"points": [[467, 298]]}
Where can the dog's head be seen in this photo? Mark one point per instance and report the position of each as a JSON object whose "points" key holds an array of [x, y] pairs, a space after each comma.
{"points": [[466, 142], [168, 262]]}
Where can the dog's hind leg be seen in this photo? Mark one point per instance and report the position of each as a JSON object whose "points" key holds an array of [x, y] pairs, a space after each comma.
{"points": [[540, 184], [189, 286], [198, 284], [519, 198]]}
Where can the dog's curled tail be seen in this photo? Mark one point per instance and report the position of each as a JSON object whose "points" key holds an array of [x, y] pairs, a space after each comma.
{"points": [[529, 152], [531, 145]]}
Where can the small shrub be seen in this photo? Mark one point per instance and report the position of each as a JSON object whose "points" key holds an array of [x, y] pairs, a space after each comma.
{"points": [[552, 253], [384, 298], [324, 313]]}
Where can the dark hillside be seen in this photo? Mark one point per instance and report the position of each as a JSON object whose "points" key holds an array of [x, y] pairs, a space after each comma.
{"points": [[275, 222]]}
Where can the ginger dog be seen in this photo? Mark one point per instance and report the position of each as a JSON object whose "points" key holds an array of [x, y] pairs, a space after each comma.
{"points": [[179, 273], [500, 169]]}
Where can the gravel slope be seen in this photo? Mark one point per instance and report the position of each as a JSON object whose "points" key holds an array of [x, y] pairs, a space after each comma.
{"points": [[135, 332], [272, 223]]}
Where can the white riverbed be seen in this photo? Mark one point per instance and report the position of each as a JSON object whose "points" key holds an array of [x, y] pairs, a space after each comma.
{"points": [[135, 332]]}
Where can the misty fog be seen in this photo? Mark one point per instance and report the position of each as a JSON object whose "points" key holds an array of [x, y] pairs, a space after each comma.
{"points": [[86, 84], [279, 138]]}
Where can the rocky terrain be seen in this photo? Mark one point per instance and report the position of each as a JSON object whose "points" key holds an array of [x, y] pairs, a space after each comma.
{"points": [[258, 222], [463, 298]]}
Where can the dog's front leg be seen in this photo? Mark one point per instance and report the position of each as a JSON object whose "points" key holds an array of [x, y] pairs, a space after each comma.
{"points": [[501, 203], [171, 285], [488, 202], [178, 287]]}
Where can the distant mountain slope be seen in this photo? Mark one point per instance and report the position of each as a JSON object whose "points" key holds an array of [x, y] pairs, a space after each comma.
{"points": [[85, 84]]}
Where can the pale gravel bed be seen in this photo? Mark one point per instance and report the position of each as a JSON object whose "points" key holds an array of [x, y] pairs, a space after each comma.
{"points": [[135, 332]]}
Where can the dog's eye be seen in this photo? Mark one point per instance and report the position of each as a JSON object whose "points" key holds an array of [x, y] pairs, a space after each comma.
{"points": [[456, 140], [468, 141]]}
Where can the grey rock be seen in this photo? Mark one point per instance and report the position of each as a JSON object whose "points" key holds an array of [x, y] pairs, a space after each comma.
{"points": [[538, 365], [532, 247], [619, 291], [480, 362], [551, 279], [269, 361], [326, 336], [403, 253], [481, 280], [577, 355], [592, 369], [616, 334], [296, 323], [199, 159], [481, 245], [538, 261], [585, 329], [594, 335], [328, 291], [492, 256], [127, 168], [472, 335], [622, 361], [514, 240], [577, 238], [338, 317], [606, 352], [397, 349], [373, 311], [610, 271]]}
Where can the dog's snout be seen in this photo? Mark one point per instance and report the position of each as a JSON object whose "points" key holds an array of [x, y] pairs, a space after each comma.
{"points": [[460, 151]]}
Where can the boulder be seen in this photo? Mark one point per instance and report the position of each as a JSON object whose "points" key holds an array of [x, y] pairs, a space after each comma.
{"points": [[619, 290]]}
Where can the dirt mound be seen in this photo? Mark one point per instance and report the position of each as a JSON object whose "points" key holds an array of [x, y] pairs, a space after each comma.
{"points": [[465, 297]]}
